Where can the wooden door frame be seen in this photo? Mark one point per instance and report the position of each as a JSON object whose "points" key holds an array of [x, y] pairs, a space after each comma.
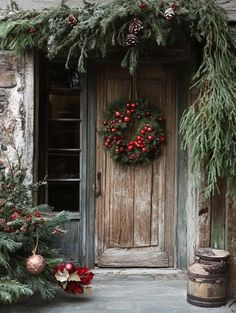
{"points": [[183, 66], [87, 167]]}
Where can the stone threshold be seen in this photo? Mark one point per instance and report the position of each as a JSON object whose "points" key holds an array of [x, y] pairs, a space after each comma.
{"points": [[156, 273]]}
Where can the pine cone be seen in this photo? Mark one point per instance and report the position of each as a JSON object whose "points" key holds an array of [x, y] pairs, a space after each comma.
{"points": [[71, 20], [131, 40], [169, 14], [135, 26]]}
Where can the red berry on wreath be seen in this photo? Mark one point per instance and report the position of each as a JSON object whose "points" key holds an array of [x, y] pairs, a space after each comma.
{"points": [[121, 149], [142, 131], [162, 138], [140, 138], [118, 114], [126, 119], [145, 149], [132, 111], [150, 138], [120, 121], [130, 147], [128, 112], [70, 267], [133, 105], [150, 129], [113, 130], [117, 150]]}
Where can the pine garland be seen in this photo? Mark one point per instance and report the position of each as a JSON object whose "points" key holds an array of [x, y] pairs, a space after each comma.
{"points": [[209, 125]]}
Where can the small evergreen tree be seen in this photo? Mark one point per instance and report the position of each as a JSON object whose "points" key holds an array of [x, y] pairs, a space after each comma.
{"points": [[24, 228]]}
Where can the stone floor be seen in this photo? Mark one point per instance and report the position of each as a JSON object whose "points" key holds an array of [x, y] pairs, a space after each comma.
{"points": [[114, 293]]}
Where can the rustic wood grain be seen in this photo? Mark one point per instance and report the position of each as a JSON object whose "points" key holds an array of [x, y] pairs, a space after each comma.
{"points": [[131, 213], [171, 152], [142, 205], [218, 208], [204, 215], [135, 257]]}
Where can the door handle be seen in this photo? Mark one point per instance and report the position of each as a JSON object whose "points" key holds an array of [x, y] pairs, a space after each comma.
{"points": [[99, 185]]}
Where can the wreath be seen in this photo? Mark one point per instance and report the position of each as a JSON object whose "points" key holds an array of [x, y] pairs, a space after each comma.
{"points": [[120, 139]]}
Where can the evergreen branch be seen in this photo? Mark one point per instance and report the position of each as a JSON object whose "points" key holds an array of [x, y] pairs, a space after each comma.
{"points": [[45, 287], [12, 290]]}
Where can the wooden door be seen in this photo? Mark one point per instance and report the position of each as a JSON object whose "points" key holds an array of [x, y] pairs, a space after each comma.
{"points": [[135, 212]]}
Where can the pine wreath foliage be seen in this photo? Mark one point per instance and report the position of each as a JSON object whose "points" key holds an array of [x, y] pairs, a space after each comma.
{"points": [[208, 127]]}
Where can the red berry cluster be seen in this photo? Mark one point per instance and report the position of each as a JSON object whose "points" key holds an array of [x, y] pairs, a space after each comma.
{"points": [[31, 30], [20, 220], [142, 5], [147, 143]]}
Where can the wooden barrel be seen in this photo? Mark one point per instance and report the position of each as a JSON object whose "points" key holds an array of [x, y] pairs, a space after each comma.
{"points": [[207, 278]]}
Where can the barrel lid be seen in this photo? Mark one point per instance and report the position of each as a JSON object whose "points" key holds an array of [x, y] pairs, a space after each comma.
{"points": [[212, 254]]}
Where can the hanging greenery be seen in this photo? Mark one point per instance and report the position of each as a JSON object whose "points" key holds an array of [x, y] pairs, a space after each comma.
{"points": [[209, 125]]}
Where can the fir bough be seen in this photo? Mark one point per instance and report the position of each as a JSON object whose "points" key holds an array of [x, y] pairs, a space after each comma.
{"points": [[23, 229], [209, 125]]}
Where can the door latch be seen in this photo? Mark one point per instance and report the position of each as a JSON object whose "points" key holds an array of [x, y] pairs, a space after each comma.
{"points": [[99, 185]]}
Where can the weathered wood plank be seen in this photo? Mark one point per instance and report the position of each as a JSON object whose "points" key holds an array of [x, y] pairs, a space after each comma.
{"points": [[127, 208], [170, 151], [230, 242], [101, 161], [142, 206], [204, 216], [150, 256], [69, 242], [218, 216]]}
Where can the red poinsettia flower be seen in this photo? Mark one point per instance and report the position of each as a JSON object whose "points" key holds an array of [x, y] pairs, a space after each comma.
{"points": [[86, 278], [60, 268], [74, 287], [82, 270], [73, 279]]}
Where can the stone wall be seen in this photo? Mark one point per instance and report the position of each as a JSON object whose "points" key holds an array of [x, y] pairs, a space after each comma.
{"points": [[16, 106]]}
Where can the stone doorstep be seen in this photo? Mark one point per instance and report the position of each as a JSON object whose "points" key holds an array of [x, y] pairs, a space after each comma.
{"points": [[157, 273]]}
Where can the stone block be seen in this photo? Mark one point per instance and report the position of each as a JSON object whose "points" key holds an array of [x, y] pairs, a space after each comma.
{"points": [[3, 106], [2, 93], [8, 68]]}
